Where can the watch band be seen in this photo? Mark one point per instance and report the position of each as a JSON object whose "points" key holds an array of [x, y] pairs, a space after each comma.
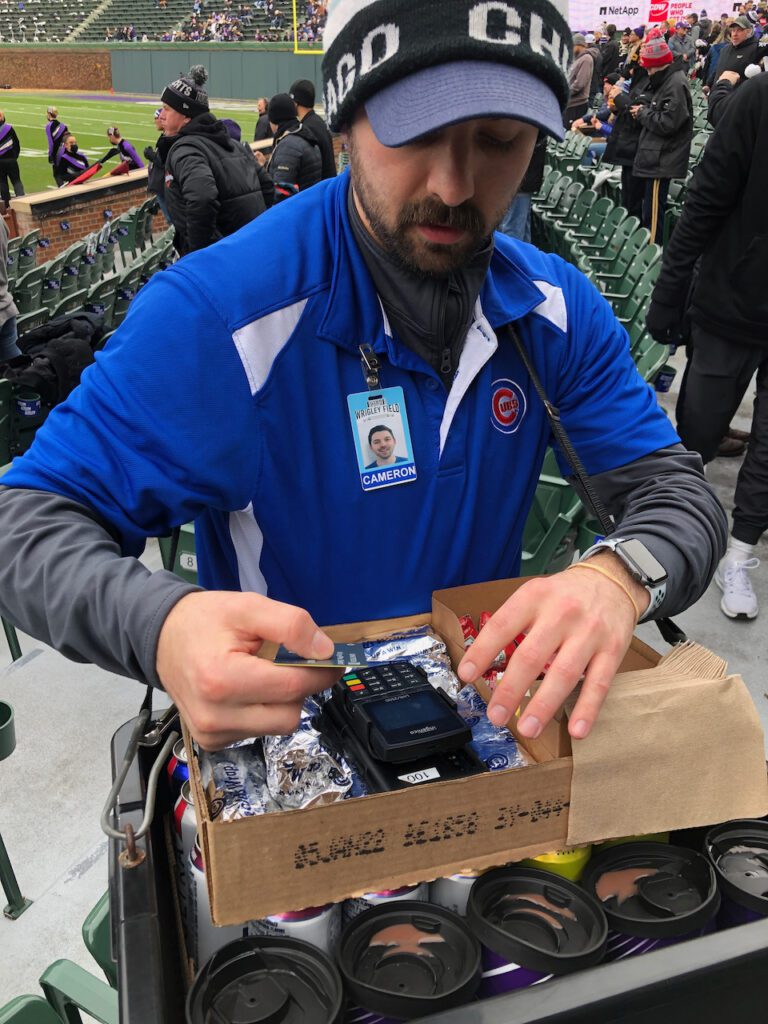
{"points": [[656, 592]]}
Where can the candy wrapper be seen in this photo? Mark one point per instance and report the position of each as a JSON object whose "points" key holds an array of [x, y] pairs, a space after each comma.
{"points": [[239, 780], [423, 648], [496, 747], [300, 770]]}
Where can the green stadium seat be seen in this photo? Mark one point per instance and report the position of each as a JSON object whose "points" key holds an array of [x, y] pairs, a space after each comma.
{"points": [[29, 321], [627, 241], [185, 563], [126, 229], [27, 291], [68, 988], [98, 939], [28, 1010], [28, 251], [127, 286], [101, 299], [70, 303], [69, 279], [12, 260], [52, 275], [620, 286]]}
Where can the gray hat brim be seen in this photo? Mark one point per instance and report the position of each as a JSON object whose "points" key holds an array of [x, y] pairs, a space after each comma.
{"points": [[447, 94]]}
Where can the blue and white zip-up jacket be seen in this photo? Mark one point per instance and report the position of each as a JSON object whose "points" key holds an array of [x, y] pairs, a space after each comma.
{"points": [[222, 399]]}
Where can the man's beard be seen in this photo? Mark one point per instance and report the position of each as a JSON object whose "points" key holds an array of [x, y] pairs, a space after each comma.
{"points": [[415, 254]]}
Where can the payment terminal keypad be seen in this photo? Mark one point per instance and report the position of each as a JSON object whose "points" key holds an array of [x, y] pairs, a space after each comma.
{"points": [[380, 681]]}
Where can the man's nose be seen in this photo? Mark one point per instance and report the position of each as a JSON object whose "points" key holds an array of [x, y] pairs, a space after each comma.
{"points": [[451, 176]]}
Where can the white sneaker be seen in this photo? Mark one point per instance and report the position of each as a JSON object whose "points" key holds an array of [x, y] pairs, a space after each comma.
{"points": [[739, 600]]}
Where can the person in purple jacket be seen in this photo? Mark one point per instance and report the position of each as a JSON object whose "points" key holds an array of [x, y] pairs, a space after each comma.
{"points": [[127, 152], [9, 162], [55, 131], [70, 162]]}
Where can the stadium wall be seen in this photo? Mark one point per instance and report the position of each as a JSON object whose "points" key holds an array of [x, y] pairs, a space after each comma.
{"points": [[27, 67], [234, 72], [84, 208]]}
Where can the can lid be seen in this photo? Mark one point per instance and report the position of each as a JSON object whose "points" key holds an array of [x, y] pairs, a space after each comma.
{"points": [[653, 890], [261, 978], [537, 919], [739, 852], [180, 751], [409, 959]]}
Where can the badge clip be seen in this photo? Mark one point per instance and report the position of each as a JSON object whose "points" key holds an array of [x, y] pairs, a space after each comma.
{"points": [[370, 364]]}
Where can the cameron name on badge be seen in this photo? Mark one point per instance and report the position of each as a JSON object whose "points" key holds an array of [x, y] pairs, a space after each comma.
{"points": [[382, 438]]}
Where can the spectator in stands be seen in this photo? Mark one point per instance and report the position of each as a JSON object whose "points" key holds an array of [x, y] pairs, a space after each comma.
{"points": [[156, 170], [634, 42], [10, 148], [211, 183], [580, 78], [295, 163], [741, 51], [55, 131], [593, 50], [621, 147], [263, 127], [693, 27], [124, 148], [267, 185], [681, 46], [609, 51], [517, 219], [725, 224], [666, 124], [70, 161], [303, 94], [8, 310]]}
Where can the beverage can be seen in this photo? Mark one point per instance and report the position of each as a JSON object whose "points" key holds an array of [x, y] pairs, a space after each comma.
{"points": [[177, 768], [453, 892], [359, 904], [319, 926], [569, 862], [184, 835], [203, 937]]}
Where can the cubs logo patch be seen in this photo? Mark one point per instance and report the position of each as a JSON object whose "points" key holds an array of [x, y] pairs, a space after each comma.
{"points": [[508, 406]]}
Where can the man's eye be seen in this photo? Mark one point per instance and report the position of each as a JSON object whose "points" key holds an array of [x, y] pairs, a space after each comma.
{"points": [[494, 142]]}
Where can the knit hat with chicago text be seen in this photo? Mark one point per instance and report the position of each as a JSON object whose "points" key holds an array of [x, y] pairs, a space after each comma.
{"points": [[420, 67]]}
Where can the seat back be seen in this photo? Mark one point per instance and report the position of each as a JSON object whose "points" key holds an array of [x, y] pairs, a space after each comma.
{"points": [[53, 272], [28, 250], [72, 259], [101, 299], [28, 289], [97, 936], [28, 1010]]}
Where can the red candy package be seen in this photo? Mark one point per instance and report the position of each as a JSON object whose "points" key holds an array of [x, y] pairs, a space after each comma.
{"points": [[468, 629]]}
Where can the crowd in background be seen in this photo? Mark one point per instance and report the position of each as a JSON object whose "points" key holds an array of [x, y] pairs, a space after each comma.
{"points": [[225, 21]]}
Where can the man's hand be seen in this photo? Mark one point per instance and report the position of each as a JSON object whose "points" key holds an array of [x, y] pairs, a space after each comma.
{"points": [[205, 660], [730, 76], [635, 110], [663, 323], [578, 622]]}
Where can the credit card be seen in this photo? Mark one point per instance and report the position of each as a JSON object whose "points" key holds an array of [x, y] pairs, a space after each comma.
{"points": [[344, 656]]}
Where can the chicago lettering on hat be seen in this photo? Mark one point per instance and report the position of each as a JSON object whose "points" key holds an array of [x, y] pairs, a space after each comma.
{"points": [[502, 59]]}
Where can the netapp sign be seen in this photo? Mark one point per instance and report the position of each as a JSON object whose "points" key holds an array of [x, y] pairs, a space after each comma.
{"points": [[585, 15]]}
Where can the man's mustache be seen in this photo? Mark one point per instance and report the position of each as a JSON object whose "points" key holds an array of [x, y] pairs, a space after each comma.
{"points": [[465, 217]]}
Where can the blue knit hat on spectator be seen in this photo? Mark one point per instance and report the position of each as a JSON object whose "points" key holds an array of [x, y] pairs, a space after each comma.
{"points": [[417, 68]]}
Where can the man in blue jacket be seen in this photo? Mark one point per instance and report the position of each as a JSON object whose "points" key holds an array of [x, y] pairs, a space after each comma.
{"points": [[239, 390]]}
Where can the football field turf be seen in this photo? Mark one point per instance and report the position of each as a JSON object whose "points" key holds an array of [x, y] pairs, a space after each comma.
{"points": [[89, 118]]}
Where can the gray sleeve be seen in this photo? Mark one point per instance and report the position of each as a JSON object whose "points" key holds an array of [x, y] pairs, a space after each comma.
{"points": [[664, 500], [64, 580]]}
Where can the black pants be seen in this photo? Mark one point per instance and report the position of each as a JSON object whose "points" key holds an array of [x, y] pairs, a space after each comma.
{"points": [[632, 191], [574, 113], [654, 206], [716, 378], [10, 169]]}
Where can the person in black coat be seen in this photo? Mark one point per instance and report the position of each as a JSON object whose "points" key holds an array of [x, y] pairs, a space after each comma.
{"points": [[742, 50], [70, 161], [211, 183], [10, 148], [666, 124], [609, 52], [621, 148], [724, 224], [156, 170], [303, 93], [263, 127], [295, 163]]}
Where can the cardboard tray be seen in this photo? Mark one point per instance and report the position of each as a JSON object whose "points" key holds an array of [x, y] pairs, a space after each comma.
{"points": [[668, 752]]}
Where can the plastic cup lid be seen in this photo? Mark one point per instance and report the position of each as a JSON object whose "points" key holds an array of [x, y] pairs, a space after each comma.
{"points": [[537, 919], [409, 959], [653, 890], [260, 979], [739, 852]]}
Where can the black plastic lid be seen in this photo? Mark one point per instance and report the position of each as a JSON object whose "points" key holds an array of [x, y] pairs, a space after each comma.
{"points": [[263, 979], [537, 920], [739, 852], [679, 894], [409, 959]]}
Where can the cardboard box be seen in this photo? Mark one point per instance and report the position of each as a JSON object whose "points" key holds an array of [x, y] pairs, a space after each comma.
{"points": [[668, 752]]}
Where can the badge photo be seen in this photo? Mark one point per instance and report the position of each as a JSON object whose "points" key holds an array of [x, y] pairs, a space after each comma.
{"points": [[382, 438]]}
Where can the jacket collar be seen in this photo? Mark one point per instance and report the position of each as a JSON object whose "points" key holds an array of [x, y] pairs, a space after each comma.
{"points": [[353, 315]]}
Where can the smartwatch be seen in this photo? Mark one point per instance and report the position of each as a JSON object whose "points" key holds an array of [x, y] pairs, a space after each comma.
{"points": [[641, 565]]}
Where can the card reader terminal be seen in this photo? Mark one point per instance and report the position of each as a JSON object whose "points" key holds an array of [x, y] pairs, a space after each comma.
{"points": [[397, 715]]}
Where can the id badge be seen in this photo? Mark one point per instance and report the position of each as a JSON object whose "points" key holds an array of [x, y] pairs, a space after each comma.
{"points": [[382, 438]]}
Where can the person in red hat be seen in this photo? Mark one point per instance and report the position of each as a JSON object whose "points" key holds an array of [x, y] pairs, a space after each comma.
{"points": [[667, 128]]}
